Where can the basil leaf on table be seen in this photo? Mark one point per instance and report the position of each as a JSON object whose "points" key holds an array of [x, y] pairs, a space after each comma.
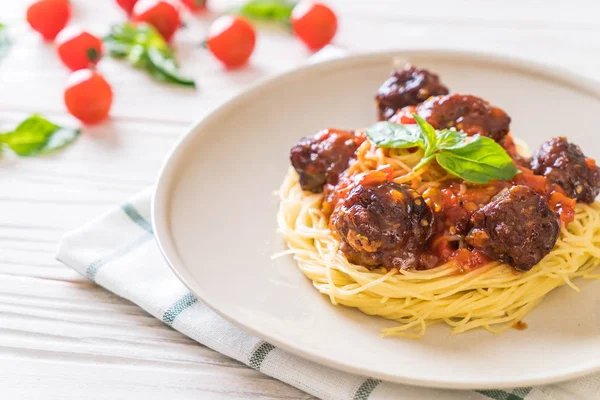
{"points": [[277, 11], [479, 160], [145, 48], [36, 135], [167, 68]]}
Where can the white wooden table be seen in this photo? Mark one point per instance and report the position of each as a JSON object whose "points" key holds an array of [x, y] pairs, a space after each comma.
{"points": [[62, 337]]}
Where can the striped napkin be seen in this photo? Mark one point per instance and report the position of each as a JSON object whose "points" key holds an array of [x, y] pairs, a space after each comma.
{"points": [[118, 252]]}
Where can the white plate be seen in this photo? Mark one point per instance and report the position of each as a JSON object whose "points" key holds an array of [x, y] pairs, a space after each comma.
{"points": [[215, 218]]}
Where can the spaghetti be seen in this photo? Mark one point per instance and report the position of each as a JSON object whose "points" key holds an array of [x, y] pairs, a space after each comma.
{"points": [[492, 296]]}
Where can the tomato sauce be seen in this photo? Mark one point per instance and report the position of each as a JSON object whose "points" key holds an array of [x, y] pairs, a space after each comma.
{"points": [[453, 204], [558, 200], [520, 325], [404, 116]]}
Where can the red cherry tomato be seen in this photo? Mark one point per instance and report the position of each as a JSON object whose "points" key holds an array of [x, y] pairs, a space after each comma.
{"points": [[48, 17], [163, 15], [231, 39], [78, 49], [127, 5], [88, 96], [314, 23], [195, 5]]}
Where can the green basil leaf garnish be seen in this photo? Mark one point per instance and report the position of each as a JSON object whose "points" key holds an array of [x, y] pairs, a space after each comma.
{"points": [[145, 48], [389, 135], [36, 135], [449, 138], [429, 135], [477, 159], [424, 161]]}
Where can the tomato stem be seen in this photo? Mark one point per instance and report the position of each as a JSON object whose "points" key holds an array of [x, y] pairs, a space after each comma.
{"points": [[92, 54]]}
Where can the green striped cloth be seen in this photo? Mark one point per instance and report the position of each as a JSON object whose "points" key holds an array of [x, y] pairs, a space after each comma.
{"points": [[117, 251]]}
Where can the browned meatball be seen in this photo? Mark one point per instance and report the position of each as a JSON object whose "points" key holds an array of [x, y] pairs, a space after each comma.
{"points": [[383, 224], [563, 163], [321, 159], [517, 228], [407, 87], [466, 113]]}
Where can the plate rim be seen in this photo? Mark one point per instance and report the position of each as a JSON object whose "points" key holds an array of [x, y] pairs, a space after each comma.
{"points": [[167, 177]]}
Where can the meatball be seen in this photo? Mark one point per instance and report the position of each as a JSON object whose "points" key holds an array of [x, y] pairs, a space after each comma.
{"points": [[383, 224], [407, 87], [466, 113], [564, 164], [320, 159], [517, 228]]}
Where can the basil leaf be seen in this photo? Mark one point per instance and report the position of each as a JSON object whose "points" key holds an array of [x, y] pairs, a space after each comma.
{"points": [[449, 138], [168, 68], [59, 139], [479, 160], [278, 11], [118, 50], [395, 136], [4, 40], [145, 48], [138, 34], [36, 135], [429, 135], [423, 161]]}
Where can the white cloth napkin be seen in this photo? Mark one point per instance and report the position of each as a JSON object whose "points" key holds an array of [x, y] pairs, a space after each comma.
{"points": [[118, 252]]}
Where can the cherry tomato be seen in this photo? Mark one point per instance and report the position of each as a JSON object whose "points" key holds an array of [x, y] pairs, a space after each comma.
{"points": [[314, 23], [78, 49], [127, 5], [88, 96], [231, 39], [161, 14], [48, 17], [195, 5]]}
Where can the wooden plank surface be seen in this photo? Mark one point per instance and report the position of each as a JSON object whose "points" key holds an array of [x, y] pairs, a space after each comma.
{"points": [[62, 337]]}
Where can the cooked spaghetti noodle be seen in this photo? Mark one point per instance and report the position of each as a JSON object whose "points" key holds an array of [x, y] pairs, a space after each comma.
{"points": [[493, 296]]}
